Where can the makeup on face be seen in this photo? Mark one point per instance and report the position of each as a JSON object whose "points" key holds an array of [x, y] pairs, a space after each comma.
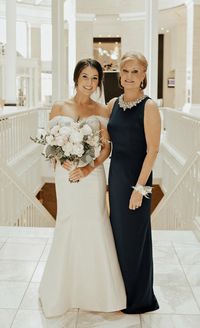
{"points": [[88, 79], [132, 73]]}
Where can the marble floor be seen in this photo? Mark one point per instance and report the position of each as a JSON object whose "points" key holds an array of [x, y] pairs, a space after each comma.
{"points": [[23, 254]]}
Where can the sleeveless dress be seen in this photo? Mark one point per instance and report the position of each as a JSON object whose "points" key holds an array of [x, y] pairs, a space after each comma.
{"points": [[131, 228], [82, 269]]}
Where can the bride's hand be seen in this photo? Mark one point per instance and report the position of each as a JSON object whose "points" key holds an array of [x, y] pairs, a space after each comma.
{"points": [[79, 173], [68, 165]]}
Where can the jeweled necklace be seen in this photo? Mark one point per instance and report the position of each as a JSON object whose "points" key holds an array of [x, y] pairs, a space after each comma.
{"points": [[129, 104]]}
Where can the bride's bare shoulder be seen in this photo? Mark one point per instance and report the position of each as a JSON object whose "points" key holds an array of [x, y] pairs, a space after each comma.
{"points": [[59, 108], [102, 110]]}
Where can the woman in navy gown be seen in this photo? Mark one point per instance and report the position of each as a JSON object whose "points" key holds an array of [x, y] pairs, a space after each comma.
{"points": [[134, 128]]}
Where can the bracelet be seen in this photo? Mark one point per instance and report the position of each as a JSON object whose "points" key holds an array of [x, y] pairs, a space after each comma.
{"points": [[143, 190]]}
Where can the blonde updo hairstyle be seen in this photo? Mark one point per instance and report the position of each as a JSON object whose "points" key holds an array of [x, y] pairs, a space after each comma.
{"points": [[128, 56]]}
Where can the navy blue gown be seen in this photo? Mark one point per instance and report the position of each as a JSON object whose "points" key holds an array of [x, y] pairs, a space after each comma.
{"points": [[131, 228]]}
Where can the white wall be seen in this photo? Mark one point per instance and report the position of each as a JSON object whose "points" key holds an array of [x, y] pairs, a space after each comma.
{"points": [[179, 35], [109, 7], [84, 44], [35, 42], [131, 33], [168, 93], [175, 65], [107, 26]]}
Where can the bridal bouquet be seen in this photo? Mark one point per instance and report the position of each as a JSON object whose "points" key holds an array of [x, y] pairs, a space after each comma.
{"points": [[77, 142]]}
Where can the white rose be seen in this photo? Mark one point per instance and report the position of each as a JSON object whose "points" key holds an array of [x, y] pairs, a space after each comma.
{"points": [[78, 150], [89, 141], [97, 151], [65, 130], [86, 130], [76, 137], [96, 140], [42, 132], [65, 139], [50, 139], [59, 140], [93, 140], [67, 148], [55, 130], [75, 125]]}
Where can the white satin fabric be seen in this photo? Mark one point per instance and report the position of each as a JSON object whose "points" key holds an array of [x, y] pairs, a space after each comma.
{"points": [[92, 120], [82, 270]]}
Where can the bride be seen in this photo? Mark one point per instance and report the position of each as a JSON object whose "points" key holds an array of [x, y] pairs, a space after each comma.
{"points": [[82, 269]]}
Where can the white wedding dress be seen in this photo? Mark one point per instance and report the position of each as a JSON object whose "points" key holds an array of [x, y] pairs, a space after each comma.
{"points": [[82, 269]]}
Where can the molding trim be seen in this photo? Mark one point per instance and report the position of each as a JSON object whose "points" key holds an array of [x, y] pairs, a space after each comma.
{"points": [[132, 16], [31, 14], [85, 17], [192, 2]]}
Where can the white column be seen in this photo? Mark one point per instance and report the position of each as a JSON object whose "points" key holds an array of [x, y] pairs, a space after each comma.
{"points": [[70, 15], [193, 57], [35, 41], [84, 26], [151, 46], [58, 72], [37, 85], [31, 85], [28, 39], [10, 57]]}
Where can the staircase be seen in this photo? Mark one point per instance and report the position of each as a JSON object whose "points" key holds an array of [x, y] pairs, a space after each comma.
{"points": [[20, 171], [181, 205], [20, 207]]}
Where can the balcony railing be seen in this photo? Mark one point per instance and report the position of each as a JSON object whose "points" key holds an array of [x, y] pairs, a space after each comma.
{"points": [[181, 205], [20, 170], [18, 206]]}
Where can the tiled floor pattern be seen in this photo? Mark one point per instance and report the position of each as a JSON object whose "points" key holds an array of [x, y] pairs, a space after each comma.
{"points": [[23, 254]]}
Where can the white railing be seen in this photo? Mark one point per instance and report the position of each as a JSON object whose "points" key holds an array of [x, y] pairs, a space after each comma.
{"points": [[181, 205], [180, 139], [18, 206], [182, 132], [15, 131], [20, 169], [43, 117], [171, 166]]}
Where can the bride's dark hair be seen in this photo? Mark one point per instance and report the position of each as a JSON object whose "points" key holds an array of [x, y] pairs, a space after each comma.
{"points": [[85, 63]]}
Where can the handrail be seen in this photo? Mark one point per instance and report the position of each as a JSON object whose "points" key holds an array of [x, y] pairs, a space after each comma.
{"points": [[170, 212], [15, 111], [184, 114], [182, 132]]}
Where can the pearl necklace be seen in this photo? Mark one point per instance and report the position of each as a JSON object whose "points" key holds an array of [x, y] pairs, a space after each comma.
{"points": [[129, 104]]}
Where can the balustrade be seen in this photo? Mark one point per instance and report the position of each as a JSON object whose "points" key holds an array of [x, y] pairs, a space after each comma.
{"points": [[181, 205]]}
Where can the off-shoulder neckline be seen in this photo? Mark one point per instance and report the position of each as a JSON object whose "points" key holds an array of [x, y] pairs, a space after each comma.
{"points": [[81, 119]]}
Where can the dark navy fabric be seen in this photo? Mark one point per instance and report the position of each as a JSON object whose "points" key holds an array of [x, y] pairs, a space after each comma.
{"points": [[131, 228]]}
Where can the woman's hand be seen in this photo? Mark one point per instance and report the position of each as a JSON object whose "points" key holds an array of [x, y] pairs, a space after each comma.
{"points": [[68, 165], [79, 173], [135, 200]]}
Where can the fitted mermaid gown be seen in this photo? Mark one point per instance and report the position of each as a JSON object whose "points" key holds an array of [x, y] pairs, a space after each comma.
{"points": [[82, 269], [131, 229]]}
